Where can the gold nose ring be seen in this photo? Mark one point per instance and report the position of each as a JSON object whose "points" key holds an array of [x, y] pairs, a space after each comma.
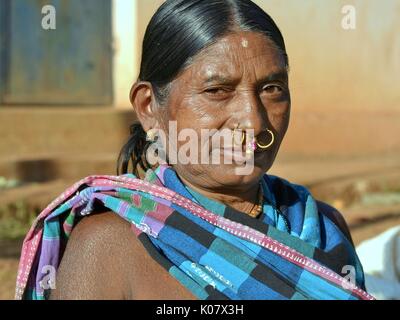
{"points": [[234, 136], [264, 147]]}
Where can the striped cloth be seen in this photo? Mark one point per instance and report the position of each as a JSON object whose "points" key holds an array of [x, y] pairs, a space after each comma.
{"points": [[291, 251]]}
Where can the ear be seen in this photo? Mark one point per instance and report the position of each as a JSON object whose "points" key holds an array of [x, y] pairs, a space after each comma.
{"points": [[143, 101]]}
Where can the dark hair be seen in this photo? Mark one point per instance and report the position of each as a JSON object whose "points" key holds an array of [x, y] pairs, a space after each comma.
{"points": [[178, 31]]}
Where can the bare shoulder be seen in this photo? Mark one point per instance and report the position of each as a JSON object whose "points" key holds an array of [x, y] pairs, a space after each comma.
{"points": [[336, 217], [95, 227], [97, 259], [107, 232]]}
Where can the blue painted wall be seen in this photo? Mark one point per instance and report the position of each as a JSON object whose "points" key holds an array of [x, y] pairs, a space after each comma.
{"points": [[69, 65]]}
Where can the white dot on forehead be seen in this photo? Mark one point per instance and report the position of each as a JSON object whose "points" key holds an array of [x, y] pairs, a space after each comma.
{"points": [[245, 43]]}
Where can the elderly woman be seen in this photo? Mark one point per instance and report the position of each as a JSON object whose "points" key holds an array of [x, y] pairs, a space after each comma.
{"points": [[177, 229]]}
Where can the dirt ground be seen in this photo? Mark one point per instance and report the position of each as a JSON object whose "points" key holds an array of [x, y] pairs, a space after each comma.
{"points": [[8, 275], [371, 230]]}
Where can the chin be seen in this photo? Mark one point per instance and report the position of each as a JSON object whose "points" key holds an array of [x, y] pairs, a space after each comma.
{"points": [[227, 174]]}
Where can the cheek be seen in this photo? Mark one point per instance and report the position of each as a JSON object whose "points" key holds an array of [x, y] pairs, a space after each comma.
{"points": [[194, 112], [279, 115]]}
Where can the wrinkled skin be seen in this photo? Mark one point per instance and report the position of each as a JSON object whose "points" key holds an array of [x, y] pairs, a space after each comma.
{"points": [[240, 81]]}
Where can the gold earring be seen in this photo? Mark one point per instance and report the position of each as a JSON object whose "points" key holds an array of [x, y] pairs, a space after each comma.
{"points": [[151, 135], [264, 147]]}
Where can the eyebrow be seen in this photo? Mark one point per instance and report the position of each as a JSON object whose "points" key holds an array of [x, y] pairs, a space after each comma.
{"points": [[218, 78], [279, 75]]}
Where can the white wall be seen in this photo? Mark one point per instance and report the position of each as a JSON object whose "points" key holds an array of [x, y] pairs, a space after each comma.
{"points": [[125, 34]]}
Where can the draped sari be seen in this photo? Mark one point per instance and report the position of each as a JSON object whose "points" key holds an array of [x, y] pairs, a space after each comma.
{"points": [[291, 251]]}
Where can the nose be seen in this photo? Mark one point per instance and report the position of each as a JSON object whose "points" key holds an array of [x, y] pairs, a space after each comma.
{"points": [[251, 113]]}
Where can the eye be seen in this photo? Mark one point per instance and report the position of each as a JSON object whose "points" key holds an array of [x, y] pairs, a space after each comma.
{"points": [[218, 93], [215, 91], [273, 89]]}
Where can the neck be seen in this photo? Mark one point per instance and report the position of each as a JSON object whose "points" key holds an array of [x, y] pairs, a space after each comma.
{"points": [[242, 200]]}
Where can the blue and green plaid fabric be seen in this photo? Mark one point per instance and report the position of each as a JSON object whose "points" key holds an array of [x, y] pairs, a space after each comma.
{"points": [[211, 262]]}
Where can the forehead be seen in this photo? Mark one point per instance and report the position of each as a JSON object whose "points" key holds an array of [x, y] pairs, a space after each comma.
{"points": [[239, 54]]}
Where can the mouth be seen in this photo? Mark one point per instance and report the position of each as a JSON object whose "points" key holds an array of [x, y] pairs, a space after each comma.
{"points": [[234, 154], [238, 155]]}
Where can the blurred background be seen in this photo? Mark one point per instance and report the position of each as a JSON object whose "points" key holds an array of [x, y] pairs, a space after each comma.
{"points": [[65, 113]]}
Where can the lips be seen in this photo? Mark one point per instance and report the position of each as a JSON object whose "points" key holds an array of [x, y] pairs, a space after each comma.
{"points": [[232, 153]]}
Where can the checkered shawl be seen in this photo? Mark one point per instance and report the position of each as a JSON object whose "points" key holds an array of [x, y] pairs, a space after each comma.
{"points": [[292, 251]]}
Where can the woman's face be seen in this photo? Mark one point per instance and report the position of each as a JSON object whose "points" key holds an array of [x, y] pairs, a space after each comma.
{"points": [[240, 81]]}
